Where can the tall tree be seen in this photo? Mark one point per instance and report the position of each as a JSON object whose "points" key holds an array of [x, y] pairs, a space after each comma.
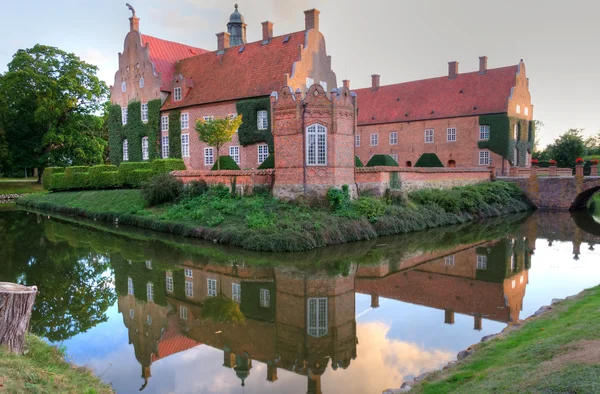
{"points": [[566, 148], [218, 132], [50, 99]]}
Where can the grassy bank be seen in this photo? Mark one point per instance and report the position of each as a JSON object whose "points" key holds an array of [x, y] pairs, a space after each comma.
{"points": [[10, 186], [263, 223], [44, 370], [558, 352]]}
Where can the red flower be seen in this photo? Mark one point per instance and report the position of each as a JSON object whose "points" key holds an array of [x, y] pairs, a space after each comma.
{"points": [[579, 160], [594, 162], [553, 162], [534, 161]]}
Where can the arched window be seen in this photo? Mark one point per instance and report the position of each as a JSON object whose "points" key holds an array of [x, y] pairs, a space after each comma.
{"points": [[141, 82], [123, 87], [409, 163], [125, 150], [451, 163], [518, 109], [145, 155], [316, 145]]}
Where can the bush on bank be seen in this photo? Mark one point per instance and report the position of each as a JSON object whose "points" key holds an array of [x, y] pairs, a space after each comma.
{"points": [[128, 174], [263, 223]]}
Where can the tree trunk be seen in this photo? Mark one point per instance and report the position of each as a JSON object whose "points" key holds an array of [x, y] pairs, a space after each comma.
{"points": [[16, 303]]}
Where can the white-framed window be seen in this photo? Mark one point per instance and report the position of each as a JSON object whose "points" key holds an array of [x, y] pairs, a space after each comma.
{"points": [[316, 148], [124, 115], [145, 153], [170, 286], [209, 156], [123, 87], [145, 112], [183, 312], [484, 132], [449, 260], [129, 286], [394, 138], [231, 116], [516, 132], [150, 292], [395, 157], [141, 82], [208, 118], [484, 157], [164, 123], [374, 139], [265, 298], [317, 317], [451, 134], [324, 85], [165, 146], [188, 273], [263, 153], [309, 82], [177, 94], [262, 120], [236, 292], [149, 320], [429, 136], [212, 287], [189, 288], [518, 109], [234, 153], [149, 264], [526, 111], [514, 283], [481, 262], [125, 150], [357, 140], [185, 121], [185, 145], [131, 313]]}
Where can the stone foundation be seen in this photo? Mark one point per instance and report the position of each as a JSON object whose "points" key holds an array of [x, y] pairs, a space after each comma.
{"points": [[315, 194]]}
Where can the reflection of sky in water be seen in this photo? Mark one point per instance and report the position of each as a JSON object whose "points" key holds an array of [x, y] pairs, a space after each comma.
{"points": [[398, 340]]}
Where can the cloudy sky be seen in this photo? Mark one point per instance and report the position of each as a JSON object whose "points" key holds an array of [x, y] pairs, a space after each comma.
{"points": [[402, 40]]}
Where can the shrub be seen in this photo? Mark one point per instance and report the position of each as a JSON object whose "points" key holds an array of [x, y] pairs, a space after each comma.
{"points": [[428, 160], [357, 162], [106, 180], [78, 180], [162, 189], [579, 160], [47, 177], [339, 199], [58, 182], [69, 171], [136, 178], [226, 163], [194, 189], [371, 208], [261, 220], [94, 170], [268, 163], [219, 191], [126, 168], [382, 160], [164, 166], [261, 190]]}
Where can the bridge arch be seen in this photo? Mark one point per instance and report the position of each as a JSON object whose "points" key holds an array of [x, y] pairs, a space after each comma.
{"points": [[580, 202]]}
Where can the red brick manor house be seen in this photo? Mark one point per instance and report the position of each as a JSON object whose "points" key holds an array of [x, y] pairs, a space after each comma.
{"points": [[477, 119]]}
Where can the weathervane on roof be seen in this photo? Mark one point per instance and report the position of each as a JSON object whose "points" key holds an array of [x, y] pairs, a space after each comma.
{"points": [[131, 9]]}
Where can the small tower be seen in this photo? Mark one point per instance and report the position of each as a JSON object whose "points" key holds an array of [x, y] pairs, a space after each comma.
{"points": [[236, 28]]}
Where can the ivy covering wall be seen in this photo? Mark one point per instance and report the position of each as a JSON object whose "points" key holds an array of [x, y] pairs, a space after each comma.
{"points": [[501, 139], [134, 131], [175, 135], [248, 132]]}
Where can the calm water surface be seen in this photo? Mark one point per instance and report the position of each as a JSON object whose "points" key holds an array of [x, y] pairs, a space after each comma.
{"points": [[170, 315]]}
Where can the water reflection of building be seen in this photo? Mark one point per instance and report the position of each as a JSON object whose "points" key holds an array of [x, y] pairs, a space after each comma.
{"points": [[303, 320]]}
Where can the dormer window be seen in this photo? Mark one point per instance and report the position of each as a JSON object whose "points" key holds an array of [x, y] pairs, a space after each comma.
{"points": [[177, 94], [141, 82], [123, 87]]}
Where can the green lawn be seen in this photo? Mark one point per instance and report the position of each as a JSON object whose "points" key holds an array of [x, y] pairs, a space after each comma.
{"points": [[558, 352], [44, 370], [20, 186]]}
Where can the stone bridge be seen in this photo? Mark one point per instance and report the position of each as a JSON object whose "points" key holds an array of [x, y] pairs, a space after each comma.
{"points": [[560, 192]]}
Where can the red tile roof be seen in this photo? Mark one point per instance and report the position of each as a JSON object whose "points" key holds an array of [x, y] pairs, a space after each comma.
{"points": [[173, 341], [257, 70], [437, 98], [165, 53]]}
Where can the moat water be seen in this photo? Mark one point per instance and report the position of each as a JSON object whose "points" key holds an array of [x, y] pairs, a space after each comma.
{"points": [[171, 315]]}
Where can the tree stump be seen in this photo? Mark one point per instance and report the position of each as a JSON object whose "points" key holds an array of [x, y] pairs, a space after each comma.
{"points": [[16, 303]]}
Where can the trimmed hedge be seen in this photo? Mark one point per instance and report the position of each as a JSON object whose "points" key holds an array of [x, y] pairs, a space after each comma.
{"points": [[357, 162], [226, 163], [268, 163], [428, 160], [131, 174], [382, 160]]}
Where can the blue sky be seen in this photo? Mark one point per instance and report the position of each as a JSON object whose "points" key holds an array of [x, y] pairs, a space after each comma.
{"points": [[400, 39]]}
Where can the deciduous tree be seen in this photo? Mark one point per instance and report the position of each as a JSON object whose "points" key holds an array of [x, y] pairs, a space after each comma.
{"points": [[218, 132]]}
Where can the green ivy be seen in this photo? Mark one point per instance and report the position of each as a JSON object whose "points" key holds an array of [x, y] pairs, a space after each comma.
{"points": [[501, 139], [175, 135], [134, 131], [115, 134], [153, 129], [248, 132]]}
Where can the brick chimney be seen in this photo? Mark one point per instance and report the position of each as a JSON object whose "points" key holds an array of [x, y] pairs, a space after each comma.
{"points": [[346, 83], [448, 316], [267, 29], [311, 18], [452, 70], [482, 64], [375, 81], [222, 42], [134, 23], [374, 301]]}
